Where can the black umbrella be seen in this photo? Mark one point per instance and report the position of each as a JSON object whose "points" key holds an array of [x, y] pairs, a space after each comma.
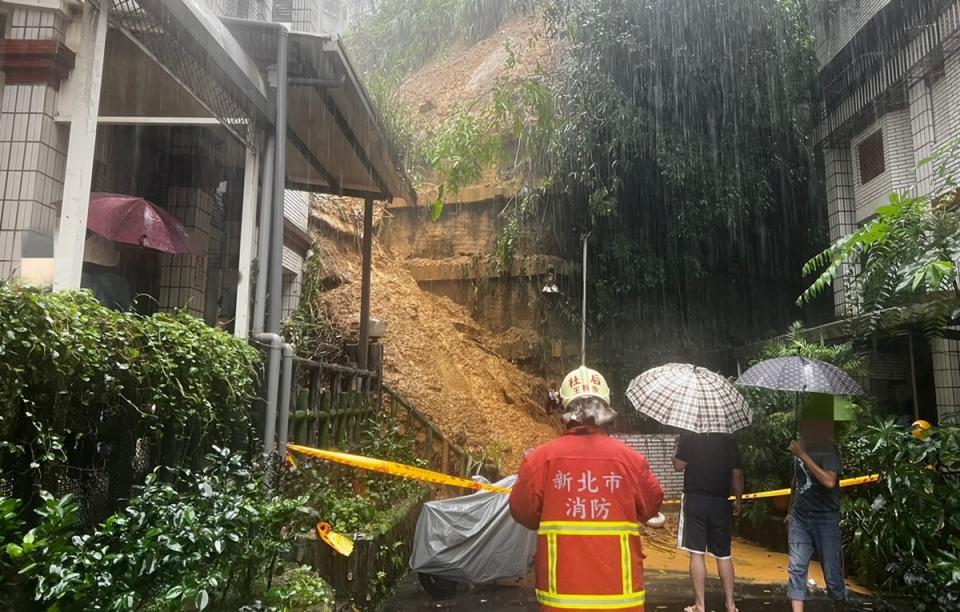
{"points": [[801, 375]]}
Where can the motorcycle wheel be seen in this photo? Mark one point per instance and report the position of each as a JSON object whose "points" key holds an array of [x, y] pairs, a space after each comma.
{"points": [[438, 587]]}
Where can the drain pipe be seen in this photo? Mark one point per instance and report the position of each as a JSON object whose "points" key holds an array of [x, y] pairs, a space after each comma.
{"points": [[286, 380], [279, 182], [272, 374], [263, 240]]}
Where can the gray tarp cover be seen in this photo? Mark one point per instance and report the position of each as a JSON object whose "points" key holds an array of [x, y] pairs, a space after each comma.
{"points": [[472, 539]]}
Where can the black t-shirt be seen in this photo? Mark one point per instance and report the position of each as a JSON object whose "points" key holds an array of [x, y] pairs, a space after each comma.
{"points": [[711, 459], [810, 495]]}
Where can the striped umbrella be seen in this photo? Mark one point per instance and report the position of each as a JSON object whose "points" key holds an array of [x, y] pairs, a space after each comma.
{"points": [[689, 397]]}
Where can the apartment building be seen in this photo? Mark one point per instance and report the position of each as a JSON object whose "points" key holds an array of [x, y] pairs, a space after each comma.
{"points": [[228, 114], [890, 79]]}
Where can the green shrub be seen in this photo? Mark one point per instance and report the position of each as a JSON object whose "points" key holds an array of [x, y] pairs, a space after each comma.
{"points": [[213, 538], [82, 386], [903, 534]]}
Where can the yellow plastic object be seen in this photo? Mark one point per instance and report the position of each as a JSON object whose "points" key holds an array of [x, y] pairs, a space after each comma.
{"points": [[921, 428], [337, 541], [394, 469]]}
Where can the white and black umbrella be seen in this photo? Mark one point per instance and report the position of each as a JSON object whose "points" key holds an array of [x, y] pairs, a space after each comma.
{"points": [[689, 397], [801, 374]]}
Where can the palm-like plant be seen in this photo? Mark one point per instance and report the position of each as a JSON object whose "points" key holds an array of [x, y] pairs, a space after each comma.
{"points": [[904, 261], [795, 342]]}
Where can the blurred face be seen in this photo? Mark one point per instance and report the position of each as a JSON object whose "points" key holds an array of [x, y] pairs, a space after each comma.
{"points": [[816, 432]]}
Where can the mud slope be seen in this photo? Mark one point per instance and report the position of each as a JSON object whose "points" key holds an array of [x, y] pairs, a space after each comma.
{"points": [[436, 354]]}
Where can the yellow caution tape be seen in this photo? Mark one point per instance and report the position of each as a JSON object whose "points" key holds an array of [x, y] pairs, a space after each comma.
{"points": [[394, 469], [846, 482], [415, 473], [337, 541]]}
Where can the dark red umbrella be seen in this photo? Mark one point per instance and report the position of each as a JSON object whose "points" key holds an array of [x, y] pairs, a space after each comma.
{"points": [[134, 220]]}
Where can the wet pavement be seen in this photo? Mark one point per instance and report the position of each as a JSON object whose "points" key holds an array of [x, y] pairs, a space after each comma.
{"points": [[665, 593]]}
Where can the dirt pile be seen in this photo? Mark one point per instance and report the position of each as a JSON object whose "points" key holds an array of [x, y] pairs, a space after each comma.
{"points": [[436, 354], [464, 79]]}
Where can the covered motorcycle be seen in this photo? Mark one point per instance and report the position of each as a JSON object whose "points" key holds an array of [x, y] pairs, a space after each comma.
{"points": [[472, 540]]}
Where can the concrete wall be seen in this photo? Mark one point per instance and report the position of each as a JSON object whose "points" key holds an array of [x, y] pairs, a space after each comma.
{"points": [[658, 449]]}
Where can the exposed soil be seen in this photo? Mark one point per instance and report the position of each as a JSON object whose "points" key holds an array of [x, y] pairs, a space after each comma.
{"points": [[464, 78], [436, 354]]}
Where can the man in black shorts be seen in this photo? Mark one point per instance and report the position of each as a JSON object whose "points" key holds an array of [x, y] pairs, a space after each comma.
{"points": [[712, 471]]}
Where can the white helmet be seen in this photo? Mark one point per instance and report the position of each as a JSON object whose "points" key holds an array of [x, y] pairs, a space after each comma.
{"points": [[585, 395]]}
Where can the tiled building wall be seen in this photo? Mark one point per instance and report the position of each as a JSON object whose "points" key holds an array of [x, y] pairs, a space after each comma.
{"points": [[32, 151], [846, 19], [658, 449], [841, 206], [945, 93], [899, 163]]}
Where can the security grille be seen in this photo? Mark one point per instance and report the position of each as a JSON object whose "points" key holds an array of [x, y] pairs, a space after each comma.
{"points": [[870, 153], [149, 24]]}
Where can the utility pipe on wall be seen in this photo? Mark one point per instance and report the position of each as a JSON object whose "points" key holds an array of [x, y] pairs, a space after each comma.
{"points": [[583, 312], [286, 382], [263, 239], [362, 348], [272, 376], [279, 183]]}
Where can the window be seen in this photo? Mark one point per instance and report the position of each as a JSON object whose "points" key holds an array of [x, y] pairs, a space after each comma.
{"points": [[870, 153]]}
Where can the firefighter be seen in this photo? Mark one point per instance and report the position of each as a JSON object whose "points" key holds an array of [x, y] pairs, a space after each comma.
{"points": [[586, 494]]}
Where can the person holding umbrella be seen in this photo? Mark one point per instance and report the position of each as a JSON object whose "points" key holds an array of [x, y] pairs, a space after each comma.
{"points": [[712, 471], [814, 514], [709, 407]]}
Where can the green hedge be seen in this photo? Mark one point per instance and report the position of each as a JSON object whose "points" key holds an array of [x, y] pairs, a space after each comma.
{"points": [[85, 389]]}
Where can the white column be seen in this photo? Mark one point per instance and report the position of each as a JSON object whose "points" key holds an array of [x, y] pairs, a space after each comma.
{"points": [[68, 251], [248, 229]]}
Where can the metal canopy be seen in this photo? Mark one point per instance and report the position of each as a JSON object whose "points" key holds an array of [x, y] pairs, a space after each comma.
{"points": [[336, 142]]}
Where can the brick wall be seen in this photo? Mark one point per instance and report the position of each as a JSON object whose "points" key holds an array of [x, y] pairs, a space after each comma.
{"points": [[658, 449]]}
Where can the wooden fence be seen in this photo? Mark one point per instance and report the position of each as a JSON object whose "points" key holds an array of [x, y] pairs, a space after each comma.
{"points": [[430, 443], [331, 403]]}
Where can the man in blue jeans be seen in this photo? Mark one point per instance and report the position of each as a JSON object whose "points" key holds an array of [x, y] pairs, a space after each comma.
{"points": [[814, 516]]}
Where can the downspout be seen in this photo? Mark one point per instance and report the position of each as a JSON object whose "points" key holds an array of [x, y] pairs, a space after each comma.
{"points": [[272, 374], [286, 386], [279, 181], [263, 240]]}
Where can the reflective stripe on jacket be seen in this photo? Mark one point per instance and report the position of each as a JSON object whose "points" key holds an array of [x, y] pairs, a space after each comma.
{"points": [[586, 494]]}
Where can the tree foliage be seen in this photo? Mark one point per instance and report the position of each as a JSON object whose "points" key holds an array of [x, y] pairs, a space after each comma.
{"points": [[683, 147]]}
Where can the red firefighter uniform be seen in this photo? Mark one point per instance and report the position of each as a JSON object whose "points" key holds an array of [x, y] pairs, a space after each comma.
{"points": [[586, 494]]}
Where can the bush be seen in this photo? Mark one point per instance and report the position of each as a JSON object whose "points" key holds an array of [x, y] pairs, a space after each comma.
{"points": [[357, 501], [903, 534], [214, 540], [85, 390]]}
